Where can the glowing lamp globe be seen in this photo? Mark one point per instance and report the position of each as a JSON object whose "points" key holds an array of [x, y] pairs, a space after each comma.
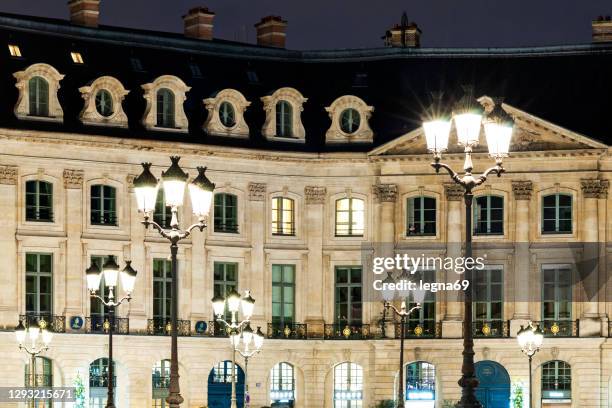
{"points": [[201, 193], [145, 187], [110, 269], [128, 277], [174, 180], [93, 277]]}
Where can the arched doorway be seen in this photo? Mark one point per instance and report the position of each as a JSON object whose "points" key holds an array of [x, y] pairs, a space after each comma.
{"points": [[220, 385], [494, 388]]}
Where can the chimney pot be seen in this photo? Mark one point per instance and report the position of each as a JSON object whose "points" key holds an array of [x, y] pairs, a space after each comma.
{"points": [[602, 30], [393, 37], [199, 23], [271, 32], [84, 12]]}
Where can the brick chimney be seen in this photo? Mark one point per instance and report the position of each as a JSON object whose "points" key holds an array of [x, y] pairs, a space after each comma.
{"points": [[84, 12], [602, 29], [271, 32], [411, 32], [199, 23]]}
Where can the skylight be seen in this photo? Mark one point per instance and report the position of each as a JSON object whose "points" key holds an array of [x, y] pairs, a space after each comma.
{"points": [[77, 58], [14, 50]]}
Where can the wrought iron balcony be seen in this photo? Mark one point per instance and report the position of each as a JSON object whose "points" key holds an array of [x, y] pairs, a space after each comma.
{"points": [[344, 331], [491, 328], [101, 324], [427, 329], [559, 328], [56, 324], [297, 331], [161, 326]]}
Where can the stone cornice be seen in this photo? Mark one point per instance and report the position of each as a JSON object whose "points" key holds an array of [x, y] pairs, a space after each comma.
{"points": [[73, 178], [454, 192], [8, 175], [257, 191], [385, 193], [315, 194], [595, 188], [522, 189]]}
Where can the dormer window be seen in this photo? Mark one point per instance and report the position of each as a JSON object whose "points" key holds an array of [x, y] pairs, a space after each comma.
{"points": [[39, 96], [14, 50], [350, 121], [103, 103], [283, 115], [226, 114], [38, 85], [77, 58], [165, 97], [349, 115], [165, 108]]}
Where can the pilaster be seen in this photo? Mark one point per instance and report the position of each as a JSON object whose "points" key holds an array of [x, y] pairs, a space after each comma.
{"points": [[522, 192], [9, 313], [74, 268], [315, 205], [452, 323]]}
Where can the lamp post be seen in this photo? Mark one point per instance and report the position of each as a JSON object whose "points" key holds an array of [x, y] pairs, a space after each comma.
{"points": [[530, 340], [498, 126], [39, 339], [110, 270], [238, 330], [201, 190], [247, 353]]}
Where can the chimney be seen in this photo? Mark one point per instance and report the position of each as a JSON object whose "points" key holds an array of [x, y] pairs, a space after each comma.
{"points": [[271, 32], [405, 35], [199, 23], [602, 29], [84, 12]]}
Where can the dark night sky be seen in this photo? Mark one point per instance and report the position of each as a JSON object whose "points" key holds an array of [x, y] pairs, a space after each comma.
{"points": [[318, 24]]}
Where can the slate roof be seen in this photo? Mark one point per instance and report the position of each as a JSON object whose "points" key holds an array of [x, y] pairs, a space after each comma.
{"points": [[570, 86]]}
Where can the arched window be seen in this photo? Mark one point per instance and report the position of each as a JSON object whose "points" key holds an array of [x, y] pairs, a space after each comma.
{"points": [[40, 376], [284, 121], [163, 213], [104, 103], [165, 108], [103, 205], [489, 215], [421, 217], [350, 217], [39, 201], [350, 120], [556, 380], [282, 385], [420, 384], [160, 380], [348, 385], [227, 114], [98, 382], [39, 96], [283, 216], [557, 214], [226, 213]]}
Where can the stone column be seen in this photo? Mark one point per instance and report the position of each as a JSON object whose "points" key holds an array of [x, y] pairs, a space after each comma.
{"points": [[315, 215], [590, 321], [453, 321], [257, 214], [9, 313], [522, 190], [75, 270]]}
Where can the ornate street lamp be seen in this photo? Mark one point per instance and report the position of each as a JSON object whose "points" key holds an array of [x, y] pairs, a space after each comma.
{"points": [[111, 273], [239, 331], [34, 340], [498, 125], [201, 191], [530, 340]]}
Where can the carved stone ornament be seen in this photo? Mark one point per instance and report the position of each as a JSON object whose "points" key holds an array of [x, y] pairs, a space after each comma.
{"points": [[595, 188], [522, 189], [89, 114], [8, 175], [73, 178], [315, 195], [257, 191], [385, 193], [363, 133], [453, 192], [238, 102], [179, 89], [296, 100], [53, 78]]}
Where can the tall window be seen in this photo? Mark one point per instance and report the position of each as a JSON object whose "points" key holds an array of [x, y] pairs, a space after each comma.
{"points": [[38, 89], [39, 284], [422, 322], [556, 380], [163, 213], [103, 205], [557, 214], [99, 312], [225, 280], [40, 376], [283, 216], [421, 383], [226, 213], [162, 290], [489, 215], [283, 294], [282, 384], [488, 301], [421, 219], [348, 295], [165, 108], [98, 382], [284, 119], [39, 201], [160, 380], [350, 217], [557, 293], [348, 385]]}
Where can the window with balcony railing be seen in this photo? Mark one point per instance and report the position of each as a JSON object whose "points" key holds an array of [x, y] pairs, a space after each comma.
{"points": [[487, 295], [556, 293], [39, 284], [348, 295], [283, 295]]}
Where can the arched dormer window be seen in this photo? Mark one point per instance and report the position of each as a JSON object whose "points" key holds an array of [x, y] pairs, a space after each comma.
{"points": [[350, 121], [38, 85], [165, 97], [226, 114], [283, 115], [103, 100]]}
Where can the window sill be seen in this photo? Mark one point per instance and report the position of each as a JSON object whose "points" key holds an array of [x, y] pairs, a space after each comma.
{"points": [[40, 118], [169, 129], [39, 221], [286, 139]]}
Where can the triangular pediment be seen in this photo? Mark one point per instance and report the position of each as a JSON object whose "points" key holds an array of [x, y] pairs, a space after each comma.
{"points": [[530, 134]]}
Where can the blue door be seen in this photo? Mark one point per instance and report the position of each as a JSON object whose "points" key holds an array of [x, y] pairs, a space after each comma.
{"points": [[494, 388], [220, 386]]}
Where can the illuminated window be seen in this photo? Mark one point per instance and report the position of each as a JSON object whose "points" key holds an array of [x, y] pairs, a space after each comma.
{"points": [[77, 58], [420, 383], [282, 384], [556, 380], [42, 377], [98, 382], [350, 218], [348, 386], [160, 379], [14, 50], [283, 216]]}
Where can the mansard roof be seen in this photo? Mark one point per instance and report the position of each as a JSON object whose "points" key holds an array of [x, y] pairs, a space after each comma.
{"points": [[569, 86]]}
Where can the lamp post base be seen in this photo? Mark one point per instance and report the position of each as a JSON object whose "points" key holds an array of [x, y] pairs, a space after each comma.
{"points": [[174, 400]]}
